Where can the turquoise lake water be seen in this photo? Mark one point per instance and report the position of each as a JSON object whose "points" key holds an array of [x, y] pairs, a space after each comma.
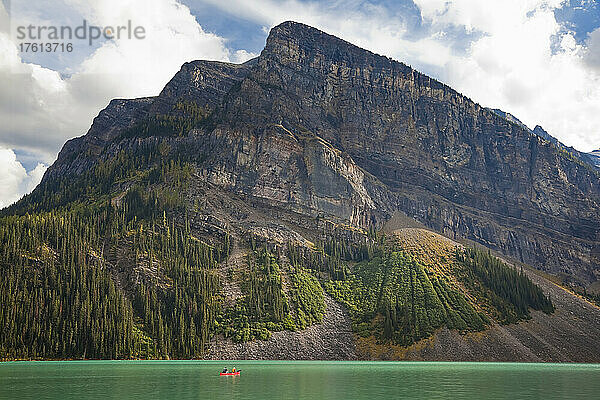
{"points": [[296, 380]]}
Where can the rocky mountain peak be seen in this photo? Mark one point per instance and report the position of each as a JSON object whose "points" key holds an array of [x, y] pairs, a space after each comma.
{"points": [[291, 34], [202, 82], [302, 47]]}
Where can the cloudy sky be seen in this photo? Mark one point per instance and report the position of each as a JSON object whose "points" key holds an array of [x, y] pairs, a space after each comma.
{"points": [[537, 59]]}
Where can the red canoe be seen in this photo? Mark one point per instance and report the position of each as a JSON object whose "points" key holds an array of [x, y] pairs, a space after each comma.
{"points": [[229, 373]]}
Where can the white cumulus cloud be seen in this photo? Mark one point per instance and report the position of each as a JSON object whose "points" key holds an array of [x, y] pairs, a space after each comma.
{"points": [[15, 181], [592, 55]]}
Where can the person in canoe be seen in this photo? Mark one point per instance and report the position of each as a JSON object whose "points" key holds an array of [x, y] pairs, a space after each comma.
{"points": [[234, 371]]}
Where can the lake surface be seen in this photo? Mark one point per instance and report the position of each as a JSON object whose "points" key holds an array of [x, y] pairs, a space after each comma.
{"points": [[296, 380]]}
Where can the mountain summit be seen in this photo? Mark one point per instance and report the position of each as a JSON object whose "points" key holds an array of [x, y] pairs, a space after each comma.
{"points": [[244, 199]]}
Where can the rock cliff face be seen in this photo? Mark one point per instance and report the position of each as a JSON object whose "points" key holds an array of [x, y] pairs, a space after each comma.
{"points": [[80, 153], [203, 82], [318, 127]]}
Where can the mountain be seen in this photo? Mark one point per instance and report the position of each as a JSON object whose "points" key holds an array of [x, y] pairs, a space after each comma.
{"points": [[588, 158], [239, 213], [595, 157]]}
